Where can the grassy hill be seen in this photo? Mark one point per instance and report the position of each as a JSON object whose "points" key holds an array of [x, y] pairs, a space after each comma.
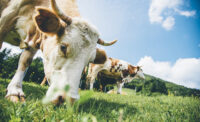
{"points": [[156, 86], [99, 106]]}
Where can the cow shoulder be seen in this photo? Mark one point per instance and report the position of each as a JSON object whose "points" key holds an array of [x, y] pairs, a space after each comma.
{"points": [[101, 56]]}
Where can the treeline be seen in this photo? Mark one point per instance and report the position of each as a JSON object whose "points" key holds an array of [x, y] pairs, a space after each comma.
{"points": [[151, 86], [9, 63]]}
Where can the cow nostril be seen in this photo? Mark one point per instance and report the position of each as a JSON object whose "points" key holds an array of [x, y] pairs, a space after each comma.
{"points": [[59, 100]]}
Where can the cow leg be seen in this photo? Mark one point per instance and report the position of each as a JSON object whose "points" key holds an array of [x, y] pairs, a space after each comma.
{"points": [[119, 87], [90, 80], [43, 81], [14, 89], [104, 87], [92, 74], [91, 85], [0, 44], [101, 87]]}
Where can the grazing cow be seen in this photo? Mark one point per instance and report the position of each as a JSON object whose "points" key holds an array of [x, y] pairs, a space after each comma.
{"points": [[119, 70], [67, 41]]}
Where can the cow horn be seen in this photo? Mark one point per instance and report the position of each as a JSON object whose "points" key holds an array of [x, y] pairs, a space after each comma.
{"points": [[102, 42], [59, 13]]}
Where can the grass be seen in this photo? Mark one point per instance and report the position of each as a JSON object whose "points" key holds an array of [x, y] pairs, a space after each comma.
{"points": [[94, 106]]}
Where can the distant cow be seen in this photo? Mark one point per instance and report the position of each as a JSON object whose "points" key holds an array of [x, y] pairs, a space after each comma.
{"points": [[67, 41], [119, 70]]}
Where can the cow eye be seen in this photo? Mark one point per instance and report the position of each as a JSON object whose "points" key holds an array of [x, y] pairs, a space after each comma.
{"points": [[63, 49]]}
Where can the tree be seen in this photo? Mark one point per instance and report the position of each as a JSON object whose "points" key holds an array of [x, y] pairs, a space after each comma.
{"points": [[9, 63], [152, 86], [35, 72]]}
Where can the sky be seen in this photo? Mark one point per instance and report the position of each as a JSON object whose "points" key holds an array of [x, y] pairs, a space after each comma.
{"points": [[161, 35]]}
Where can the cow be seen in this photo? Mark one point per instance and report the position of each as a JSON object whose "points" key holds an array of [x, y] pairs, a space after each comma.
{"points": [[119, 70], [67, 41]]}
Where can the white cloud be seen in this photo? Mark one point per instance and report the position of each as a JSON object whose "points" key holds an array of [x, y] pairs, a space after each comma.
{"points": [[168, 23], [157, 8], [184, 72], [186, 13]]}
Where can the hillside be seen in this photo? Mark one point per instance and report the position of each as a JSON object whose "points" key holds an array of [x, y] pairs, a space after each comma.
{"points": [[99, 106], [152, 85]]}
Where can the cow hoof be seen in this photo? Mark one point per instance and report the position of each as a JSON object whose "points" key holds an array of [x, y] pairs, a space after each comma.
{"points": [[16, 99], [22, 99]]}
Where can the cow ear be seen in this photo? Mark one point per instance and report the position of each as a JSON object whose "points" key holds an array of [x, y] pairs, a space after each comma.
{"points": [[47, 21], [100, 56]]}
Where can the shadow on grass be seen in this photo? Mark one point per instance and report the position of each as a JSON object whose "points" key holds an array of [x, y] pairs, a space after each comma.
{"points": [[105, 109]]}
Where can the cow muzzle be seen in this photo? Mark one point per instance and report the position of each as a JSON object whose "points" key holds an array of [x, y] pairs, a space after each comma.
{"points": [[64, 86], [62, 98]]}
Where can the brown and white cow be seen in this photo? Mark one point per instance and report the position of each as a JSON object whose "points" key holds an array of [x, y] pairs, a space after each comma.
{"points": [[67, 41], [119, 70]]}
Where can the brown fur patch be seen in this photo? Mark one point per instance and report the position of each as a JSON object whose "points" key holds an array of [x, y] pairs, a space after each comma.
{"points": [[132, 70], [114, 63], [138, 68], [92, 65], [100, 56]]}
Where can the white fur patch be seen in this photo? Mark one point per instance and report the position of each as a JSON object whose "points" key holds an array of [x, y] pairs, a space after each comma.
{"points": [[140, 74]]}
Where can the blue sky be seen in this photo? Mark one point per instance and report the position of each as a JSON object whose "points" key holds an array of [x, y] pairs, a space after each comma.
{"points": [[161, 35], [128, 21]]}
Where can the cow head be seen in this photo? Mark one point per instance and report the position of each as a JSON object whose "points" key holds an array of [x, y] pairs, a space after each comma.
{"points": [[139, 73], [68, 46], [133, 72]]}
